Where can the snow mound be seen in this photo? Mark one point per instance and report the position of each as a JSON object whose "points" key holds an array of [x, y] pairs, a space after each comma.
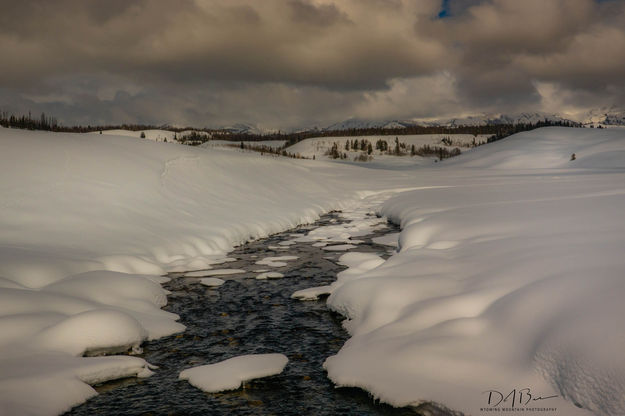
{"points": [[58, 381], [93, 332], [231, 373]]}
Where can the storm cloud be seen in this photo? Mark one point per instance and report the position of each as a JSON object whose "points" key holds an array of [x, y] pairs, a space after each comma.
{"points": [[299, 63]]}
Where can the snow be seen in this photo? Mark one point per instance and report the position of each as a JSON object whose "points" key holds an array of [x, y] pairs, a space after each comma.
{"points": [[215, 272], [61, 381], [508, 272], [231, 373], [150, 134], [212, 281]]}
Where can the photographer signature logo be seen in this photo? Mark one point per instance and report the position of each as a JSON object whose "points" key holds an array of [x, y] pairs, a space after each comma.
{"points": [[516, 400]]}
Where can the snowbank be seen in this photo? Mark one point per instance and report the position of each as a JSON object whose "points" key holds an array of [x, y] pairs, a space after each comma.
{"points": [[73, 203], [510, 278], [231, 373], [52, 383]]}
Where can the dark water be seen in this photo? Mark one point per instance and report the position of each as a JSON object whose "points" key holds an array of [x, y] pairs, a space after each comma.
{"points": [[246, 316]]}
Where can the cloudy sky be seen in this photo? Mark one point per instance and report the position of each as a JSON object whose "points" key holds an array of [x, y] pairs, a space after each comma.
{"points": [[300, 63]]}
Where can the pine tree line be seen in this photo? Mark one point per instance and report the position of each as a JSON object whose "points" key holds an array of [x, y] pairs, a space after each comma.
{"points": [[28, 122], [495, 131], [262, 149]]}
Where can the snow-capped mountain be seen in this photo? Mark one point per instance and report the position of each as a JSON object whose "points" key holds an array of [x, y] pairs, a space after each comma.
{"points": [[246, 128], [359, 123], [609, 116], [477, 120]]}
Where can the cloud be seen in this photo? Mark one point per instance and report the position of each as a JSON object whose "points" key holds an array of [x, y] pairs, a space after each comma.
{"points": [[289, 62]]}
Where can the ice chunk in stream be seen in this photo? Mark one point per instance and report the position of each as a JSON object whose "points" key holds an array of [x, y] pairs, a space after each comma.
{"points": [[212, 281], [339, 247], [275, 261], [231, 373], [216, 272], [312, 293], [269, 275]]}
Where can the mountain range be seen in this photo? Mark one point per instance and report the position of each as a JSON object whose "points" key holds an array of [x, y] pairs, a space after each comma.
{"points": [[607, 116]]}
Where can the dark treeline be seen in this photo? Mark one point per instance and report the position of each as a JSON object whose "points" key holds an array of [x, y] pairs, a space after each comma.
{"points": [[397, 148], [28, 122], [44, 122], [511, 129], [495, 131], [262, 149]]}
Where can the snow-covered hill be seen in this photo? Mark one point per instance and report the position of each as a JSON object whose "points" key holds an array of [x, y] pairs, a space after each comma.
{"points": [[157, 135], [320, 146]]}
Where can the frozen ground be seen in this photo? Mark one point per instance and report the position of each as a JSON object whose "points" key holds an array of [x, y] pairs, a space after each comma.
{"points": [[508, 275]]}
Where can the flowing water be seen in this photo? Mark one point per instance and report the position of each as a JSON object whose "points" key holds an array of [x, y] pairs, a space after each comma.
{"points": [[248, 316]]}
